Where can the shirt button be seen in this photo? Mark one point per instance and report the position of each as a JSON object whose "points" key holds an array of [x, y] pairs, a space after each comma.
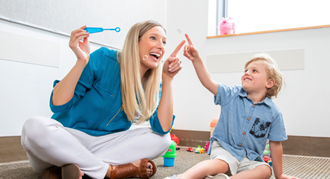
{"points": [[248, 118], [239, 144], [253, 105], [244, 133], [111, 95]]}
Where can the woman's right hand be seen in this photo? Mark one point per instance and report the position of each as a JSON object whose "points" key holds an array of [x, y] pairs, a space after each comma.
{"points": [[80, 48]]}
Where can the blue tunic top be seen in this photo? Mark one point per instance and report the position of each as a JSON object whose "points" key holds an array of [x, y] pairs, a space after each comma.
{"points": [[96, 107], [244, 127]]}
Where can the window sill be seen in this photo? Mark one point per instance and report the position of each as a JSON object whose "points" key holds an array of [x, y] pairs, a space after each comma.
{"points": [[269, 31]]}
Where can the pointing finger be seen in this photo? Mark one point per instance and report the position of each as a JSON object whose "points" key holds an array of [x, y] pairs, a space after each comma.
{"points": [[189, 40], [177, 49]]}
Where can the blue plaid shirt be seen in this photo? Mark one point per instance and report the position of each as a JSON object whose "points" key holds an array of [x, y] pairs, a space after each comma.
{"points": [[244, 127]]}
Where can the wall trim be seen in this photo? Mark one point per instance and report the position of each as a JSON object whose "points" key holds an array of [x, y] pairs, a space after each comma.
{"points": [[11, 149]]}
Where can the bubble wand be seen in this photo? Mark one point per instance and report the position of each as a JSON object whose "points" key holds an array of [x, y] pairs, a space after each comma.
{"points": [[99, 29]]}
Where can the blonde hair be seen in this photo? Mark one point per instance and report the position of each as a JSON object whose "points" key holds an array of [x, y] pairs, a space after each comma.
{"points": [[138, 96], [273, 73]]}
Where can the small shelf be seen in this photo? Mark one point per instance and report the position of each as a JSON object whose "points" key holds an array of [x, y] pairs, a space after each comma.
{"points": [[269, 31]]}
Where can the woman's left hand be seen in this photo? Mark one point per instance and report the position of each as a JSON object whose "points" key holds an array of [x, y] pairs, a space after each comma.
{"points": [[173, 64]]}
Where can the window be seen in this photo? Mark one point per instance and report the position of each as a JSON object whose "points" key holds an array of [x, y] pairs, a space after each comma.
{"points": [[217, 10], [264, 15]]}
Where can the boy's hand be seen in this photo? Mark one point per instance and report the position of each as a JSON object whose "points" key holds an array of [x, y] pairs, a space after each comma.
{"points": [[173, 64], [190, 51]]}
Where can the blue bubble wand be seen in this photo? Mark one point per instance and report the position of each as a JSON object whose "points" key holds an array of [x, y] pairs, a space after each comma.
{"points": [[99, 29]]}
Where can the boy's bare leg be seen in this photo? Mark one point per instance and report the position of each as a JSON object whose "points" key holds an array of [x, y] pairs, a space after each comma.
{"points": [[260, 172], [204, 168]]}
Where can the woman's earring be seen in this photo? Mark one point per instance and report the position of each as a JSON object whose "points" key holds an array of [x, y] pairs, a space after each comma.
{"points": [[145, 57]]}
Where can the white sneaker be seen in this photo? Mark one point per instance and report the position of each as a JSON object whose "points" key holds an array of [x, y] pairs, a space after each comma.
{"points": [[218, 176]]}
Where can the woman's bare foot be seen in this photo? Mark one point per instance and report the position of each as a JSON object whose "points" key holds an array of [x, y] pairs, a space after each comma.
{"points": [[149, 167]]}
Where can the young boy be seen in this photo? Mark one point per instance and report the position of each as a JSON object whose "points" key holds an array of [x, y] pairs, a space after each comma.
{"points": [[248, 118]]}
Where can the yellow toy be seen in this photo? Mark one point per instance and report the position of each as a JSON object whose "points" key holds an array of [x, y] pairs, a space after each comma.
{"points": [[199, 150]]}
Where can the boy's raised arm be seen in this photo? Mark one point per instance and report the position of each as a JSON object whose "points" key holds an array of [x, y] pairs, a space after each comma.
{"points": [[204, 76]]}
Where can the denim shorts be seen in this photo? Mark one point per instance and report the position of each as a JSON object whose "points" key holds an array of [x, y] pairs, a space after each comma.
{"points": [[235, 166]]}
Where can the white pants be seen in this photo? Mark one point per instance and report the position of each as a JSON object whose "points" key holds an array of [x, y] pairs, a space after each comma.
{"points": [[47, 142]]}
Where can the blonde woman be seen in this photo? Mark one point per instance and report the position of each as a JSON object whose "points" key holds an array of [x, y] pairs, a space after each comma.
{"points": [[96, 103]]}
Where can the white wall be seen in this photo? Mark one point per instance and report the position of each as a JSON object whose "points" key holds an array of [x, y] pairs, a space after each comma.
{"points": [[304, 101], [26, 87]]}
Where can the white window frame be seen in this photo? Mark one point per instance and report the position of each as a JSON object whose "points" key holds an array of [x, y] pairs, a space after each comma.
{"points": [[222, 11]]}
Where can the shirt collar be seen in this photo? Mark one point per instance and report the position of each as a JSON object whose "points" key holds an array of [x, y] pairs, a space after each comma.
{"points": [[242, 93], [266, 101]]}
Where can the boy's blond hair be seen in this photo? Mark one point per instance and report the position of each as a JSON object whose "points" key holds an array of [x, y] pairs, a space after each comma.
{"points": [[273, 73], [138, 96]]}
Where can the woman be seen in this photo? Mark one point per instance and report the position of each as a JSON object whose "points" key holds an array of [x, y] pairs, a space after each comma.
{"points": [[96, 103]]}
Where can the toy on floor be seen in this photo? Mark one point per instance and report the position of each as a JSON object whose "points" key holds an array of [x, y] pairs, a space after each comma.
{"points": [[206, 147], [266, 152], [227, 26], [266, 155], [199, 150], [268, 160], [170, 155], [176, 140], [189, 149]]}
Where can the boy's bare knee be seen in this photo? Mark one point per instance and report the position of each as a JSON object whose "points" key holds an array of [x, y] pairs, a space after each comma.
{"points": [[221, 165], [264, 171]]}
